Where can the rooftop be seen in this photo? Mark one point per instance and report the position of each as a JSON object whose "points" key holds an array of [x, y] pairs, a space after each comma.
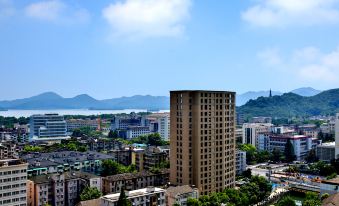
{"points": [[67, 176], [133, 193], [128, 176], [179, 190], [327, 144], [64, 157], [204, 91]]}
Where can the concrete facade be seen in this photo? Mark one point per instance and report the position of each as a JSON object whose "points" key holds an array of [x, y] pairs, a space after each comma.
{"points": [[203, 139]]}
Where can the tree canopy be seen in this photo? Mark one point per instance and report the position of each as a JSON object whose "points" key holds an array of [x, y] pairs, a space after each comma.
{"points": [[90, 193]]}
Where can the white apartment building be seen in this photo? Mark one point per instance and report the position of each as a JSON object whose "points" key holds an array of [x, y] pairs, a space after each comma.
{"points": [[142, 197], [13, 177], [240, 162], [161, 124], [251, 132]]}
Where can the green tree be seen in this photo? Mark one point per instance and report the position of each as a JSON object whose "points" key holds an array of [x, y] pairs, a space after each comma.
{"points": [[276, 155], [192, 202], [112, 134], [286, 201], [71, 147], [90, 193], [155, 139], [123, 201], [311, 157], [311, 199], [289, 151], [324, 196]]}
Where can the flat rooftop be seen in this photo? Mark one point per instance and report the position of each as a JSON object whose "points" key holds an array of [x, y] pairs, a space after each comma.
{"points": [[203, 91], [133, 193]]}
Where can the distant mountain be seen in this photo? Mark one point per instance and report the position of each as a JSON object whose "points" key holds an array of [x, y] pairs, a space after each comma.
{"points": [[50, 100], [306, 91], [245, 97], [291, 105]]}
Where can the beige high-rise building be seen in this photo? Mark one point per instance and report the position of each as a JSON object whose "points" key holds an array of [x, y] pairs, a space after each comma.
{"points": [[203, 140]]}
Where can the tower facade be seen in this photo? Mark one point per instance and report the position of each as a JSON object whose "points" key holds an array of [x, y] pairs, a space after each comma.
{"points": [[202, 139]]}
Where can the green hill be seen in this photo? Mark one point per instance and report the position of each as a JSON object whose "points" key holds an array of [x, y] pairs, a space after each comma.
{"points": [[292, 105]]}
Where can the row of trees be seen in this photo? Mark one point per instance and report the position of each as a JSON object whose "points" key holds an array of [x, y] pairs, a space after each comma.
{"points": [[256, 190], [153, 139], [9, 122]]}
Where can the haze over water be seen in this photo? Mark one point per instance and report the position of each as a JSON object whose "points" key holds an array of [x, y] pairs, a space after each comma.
{"points": [[27, 113]]}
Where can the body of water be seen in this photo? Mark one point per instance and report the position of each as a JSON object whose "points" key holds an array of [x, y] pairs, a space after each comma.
{"points": [[27, 113]]}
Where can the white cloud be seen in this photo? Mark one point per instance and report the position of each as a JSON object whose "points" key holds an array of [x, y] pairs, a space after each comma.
{"points": [[281, 13], [56, 11], [6, 9], [308, 64], [147, 18]]}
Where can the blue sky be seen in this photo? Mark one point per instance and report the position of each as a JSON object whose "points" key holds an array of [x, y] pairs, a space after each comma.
{"points": [[119, 48]]}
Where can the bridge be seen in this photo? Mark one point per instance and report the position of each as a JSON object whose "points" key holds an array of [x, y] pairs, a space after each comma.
{"points": [[302, 187]]}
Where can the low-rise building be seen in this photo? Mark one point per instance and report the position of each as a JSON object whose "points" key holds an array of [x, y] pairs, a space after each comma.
{"points": [[150, 158], [60, 189], [136, 131], [13, 177], [330, 186], [326, 151], [54, 162], [151, 196], [8, 150], [240, 162], [134, 181], [180, 195]]}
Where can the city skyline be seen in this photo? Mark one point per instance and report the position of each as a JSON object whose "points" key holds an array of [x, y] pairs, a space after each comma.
{"points": [[113, 48]]}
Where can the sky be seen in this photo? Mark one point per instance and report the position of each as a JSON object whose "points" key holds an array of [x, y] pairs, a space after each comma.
{"points": [[113, 48]]}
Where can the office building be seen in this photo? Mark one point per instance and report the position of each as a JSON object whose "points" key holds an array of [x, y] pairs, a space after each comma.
{"points": [[301, 144], [136, 131], [180, 195], [326, 151], [120, 122], [151, 196], [13, 177], [203, 139], [48, 127], [73, 124], [251, 132], [240, 162]]}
